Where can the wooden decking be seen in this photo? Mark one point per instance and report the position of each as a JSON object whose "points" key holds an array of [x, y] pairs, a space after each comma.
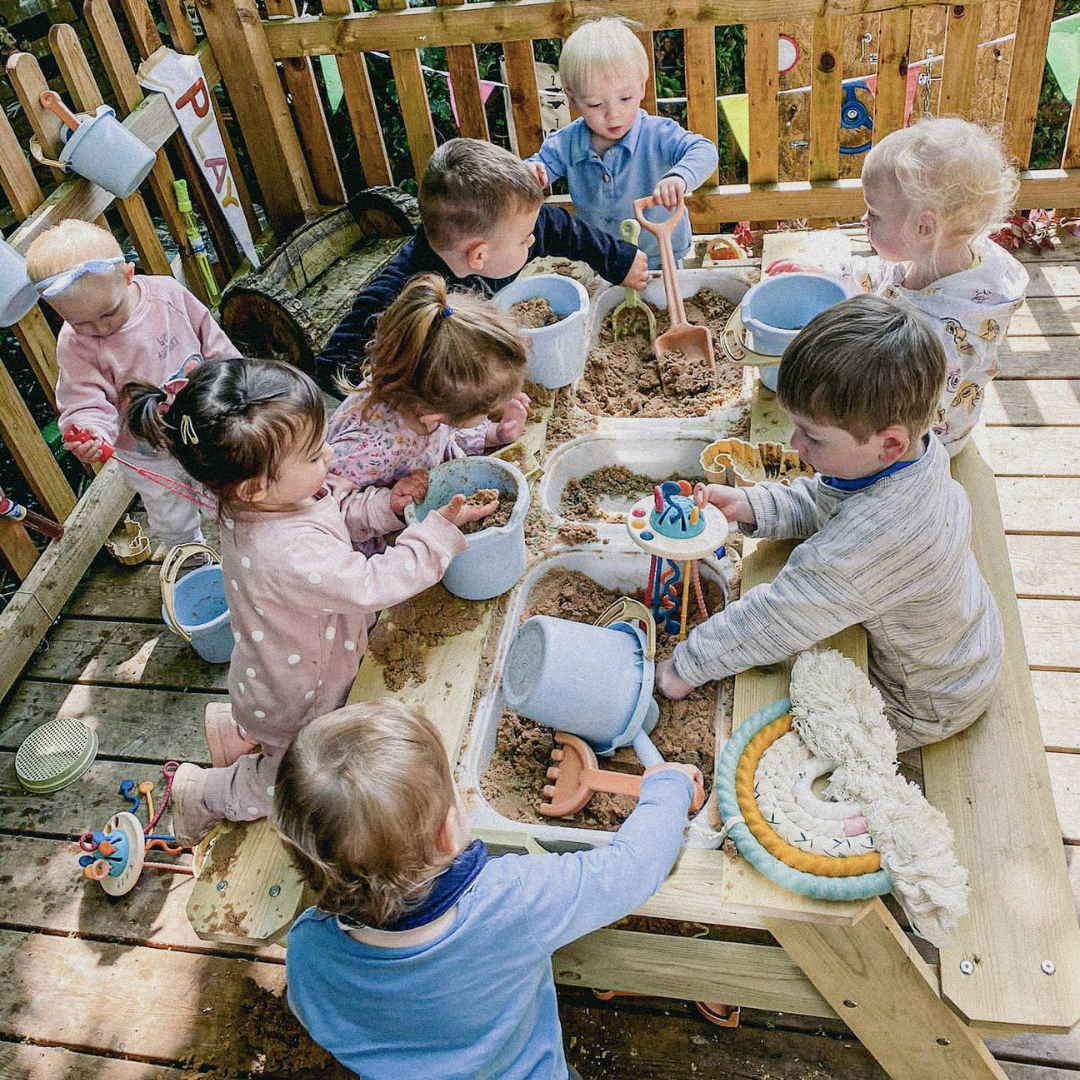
{"points": [[126, 991]]}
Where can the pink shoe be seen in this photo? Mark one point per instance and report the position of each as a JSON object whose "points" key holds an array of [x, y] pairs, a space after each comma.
{"points": [[223, 735], [191, 818]]}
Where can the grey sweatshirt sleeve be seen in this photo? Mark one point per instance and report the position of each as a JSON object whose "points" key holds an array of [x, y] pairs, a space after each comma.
{"points": [[783, 512], [805, 603]]}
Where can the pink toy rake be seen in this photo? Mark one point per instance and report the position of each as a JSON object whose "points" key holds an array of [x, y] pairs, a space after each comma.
{"points": [[177, 487]]}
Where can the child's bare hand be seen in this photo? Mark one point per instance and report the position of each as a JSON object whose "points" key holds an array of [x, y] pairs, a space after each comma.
{"points": [[638, 277], [791, 266], [670, 191], [670, 683], [87, 451], [732, 502], [541, 173], [459, 513], [512, 422], [411, 488]]}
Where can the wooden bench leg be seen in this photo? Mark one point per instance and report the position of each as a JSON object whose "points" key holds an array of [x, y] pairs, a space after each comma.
{"points": [[872, 976]]}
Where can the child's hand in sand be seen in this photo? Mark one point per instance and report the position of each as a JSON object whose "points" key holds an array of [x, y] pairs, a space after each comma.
{"points": [[411, 488], [692, 771], [459, 512], [512, 423], [732, 502], [638, 277], [670, 683], [792, 266]]}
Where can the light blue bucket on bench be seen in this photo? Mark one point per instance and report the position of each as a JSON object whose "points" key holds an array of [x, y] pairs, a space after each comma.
{"points": [[195, 606], [593, 680], [495, 558], [557, 352]]}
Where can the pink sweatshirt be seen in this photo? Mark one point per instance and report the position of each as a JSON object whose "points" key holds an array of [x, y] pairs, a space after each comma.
{"points": [[301, 600], [167, 326]]}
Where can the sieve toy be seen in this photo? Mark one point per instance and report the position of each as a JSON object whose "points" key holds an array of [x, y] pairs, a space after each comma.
{"points": [[55, 755]]}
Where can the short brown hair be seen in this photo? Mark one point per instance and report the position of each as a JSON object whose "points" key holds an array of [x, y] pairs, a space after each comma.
{"points": [[469, 188], [359, 800], [451, 352], [863, 365]]}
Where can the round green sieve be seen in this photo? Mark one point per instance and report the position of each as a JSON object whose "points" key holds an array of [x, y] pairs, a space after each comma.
{"points": [[55, 755]]}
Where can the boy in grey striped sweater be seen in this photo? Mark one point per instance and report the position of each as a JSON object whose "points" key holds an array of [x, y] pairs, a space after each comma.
{"points": [[886, 531]]}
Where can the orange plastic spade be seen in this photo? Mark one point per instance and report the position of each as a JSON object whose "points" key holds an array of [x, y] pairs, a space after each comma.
{"points": [[694, 342], [577, 778], [51, 100]]}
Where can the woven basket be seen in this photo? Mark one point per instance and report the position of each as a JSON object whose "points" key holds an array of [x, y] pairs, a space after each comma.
{"points": [[743, 464]]}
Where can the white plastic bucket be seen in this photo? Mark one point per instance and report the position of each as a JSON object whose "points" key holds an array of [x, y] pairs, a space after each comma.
{"points": [[104, 151], [557, 352], [17, 292], [495, 558]]}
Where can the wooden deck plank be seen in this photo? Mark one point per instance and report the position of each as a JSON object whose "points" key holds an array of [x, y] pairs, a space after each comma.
{"points": [[1045, 506], [125, 653], [1032, 402], [1065, 784], [1058, 697], [1030, 451], [1053, 279], [1052, 633], [1045, 566], [1039, 358], [113, 591], [21, 1061], [1047, 316], [151, 725]]}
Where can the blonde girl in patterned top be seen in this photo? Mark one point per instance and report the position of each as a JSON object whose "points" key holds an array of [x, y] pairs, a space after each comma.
{"points": [[441, 364], [933, 192]]}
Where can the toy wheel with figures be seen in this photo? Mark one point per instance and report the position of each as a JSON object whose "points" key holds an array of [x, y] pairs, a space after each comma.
{"points": [[116, 859]]}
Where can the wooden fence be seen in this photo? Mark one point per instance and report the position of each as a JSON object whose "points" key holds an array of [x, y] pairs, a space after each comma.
{"points": [[279, 106]]}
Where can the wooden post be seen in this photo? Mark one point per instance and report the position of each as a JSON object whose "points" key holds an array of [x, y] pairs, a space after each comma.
{"points": [[310, 118], [1025, 79], [762, 87], [524, 95], [17, 547], [892, 72], [699, 49], [649, 101], [958, 69], [236, 34], [465, 77], [825, 99], [360, 101]]}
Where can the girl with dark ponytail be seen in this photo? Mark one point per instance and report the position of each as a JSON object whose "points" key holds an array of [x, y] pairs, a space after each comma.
{"points": [[301, 600]]}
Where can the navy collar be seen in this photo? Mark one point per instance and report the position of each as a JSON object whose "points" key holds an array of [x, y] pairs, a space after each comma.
{"points": [[860, 483], [447, 889]]}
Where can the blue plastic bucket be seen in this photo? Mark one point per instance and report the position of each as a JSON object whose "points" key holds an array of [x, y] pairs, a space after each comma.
{"points": [[557, 352], [202, 613], [593, 681], [774, 310], [17, 292], [106, 152], [495, 558]]}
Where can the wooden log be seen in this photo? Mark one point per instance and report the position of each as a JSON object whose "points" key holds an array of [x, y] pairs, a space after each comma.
{"points": [[699, 52], [360, 101], [892, 72], [236, 31], [310, 118], [524, 95], [38, 602], [958, 70]]}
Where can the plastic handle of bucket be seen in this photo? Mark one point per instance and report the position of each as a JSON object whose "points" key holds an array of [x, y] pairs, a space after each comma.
{"points": [[170, 568], [624, 608], [39, 156]]}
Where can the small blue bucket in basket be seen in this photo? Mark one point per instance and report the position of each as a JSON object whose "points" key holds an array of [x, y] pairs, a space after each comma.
{"points": [[195, 606]]}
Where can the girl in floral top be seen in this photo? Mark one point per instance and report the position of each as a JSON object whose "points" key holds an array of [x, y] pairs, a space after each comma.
{"points": [[441, 363]]}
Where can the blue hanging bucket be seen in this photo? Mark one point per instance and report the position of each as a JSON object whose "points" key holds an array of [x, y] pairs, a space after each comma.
{"points": [[195, 606]]}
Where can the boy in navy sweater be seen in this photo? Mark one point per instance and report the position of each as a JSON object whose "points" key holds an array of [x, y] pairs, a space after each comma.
{"points": [[484, 217]]}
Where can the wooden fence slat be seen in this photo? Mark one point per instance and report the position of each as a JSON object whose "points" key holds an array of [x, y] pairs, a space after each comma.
{"points": [[648, 103], [20, 435], [310, 118], [39, 347], [825, 99], [1025, 78], [179, 26], [465, 77], [236, 31], [412, 97], [958, 68], [762, 85], [87, 97], [114, 58], [1070, 159], [524, 95], [360, 101], [17, 547], [892, 65], [699, 51]]}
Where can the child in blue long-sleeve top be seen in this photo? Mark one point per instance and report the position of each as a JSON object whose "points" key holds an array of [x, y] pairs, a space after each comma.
{"points": [[424, 957], [483, 217], [615, 152]]}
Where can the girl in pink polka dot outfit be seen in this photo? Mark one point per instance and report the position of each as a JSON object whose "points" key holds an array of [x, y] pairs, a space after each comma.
{"points": [[301, 600]]}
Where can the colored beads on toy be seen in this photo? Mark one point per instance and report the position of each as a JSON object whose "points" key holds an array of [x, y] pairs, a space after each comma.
{"points": [[637, 524], [646, 536], [638, 512]]}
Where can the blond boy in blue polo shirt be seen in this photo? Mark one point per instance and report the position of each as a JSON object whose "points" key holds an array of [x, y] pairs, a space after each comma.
{"points": [[616, 152]]}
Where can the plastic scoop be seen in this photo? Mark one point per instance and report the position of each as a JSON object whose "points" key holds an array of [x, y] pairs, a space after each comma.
{"points": [[577, 778], [626, 318], [51, 100], [693, 342]]}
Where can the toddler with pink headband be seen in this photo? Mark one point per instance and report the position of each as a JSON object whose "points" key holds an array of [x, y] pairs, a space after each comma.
{"points": [[120, 328]]}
